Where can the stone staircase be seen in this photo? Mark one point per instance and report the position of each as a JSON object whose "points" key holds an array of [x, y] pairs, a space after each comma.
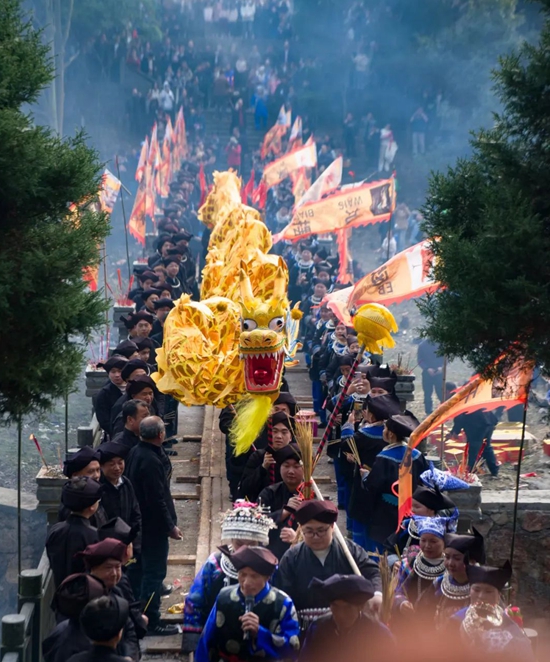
{"points": [[218, 124]]}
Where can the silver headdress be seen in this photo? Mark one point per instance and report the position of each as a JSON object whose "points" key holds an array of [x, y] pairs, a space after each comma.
{"points": [[247, 521]]}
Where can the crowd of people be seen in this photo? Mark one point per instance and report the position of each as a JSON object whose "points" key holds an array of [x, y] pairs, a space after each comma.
{"points": [[285, 584]]}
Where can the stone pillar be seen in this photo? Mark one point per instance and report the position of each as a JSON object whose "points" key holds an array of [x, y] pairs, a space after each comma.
{"points": [[30, 590], [48, 492], [150, 240], [118, 311], [13, 635], [95, 381], [85, 436], [468, 503], [404, 389]]}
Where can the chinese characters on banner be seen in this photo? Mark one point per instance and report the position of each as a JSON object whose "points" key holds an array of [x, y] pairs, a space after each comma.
{"points": [[369, 203], [405, 276]]}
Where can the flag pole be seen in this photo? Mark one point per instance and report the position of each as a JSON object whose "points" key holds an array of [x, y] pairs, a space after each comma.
{"points": [[337, 407], [390, 223], [444, 393], [518, 476], [124, 217], [338, 534]]}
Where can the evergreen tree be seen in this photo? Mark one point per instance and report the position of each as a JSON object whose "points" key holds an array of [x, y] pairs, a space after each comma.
{"points": [[491, 215], [44, 304]]}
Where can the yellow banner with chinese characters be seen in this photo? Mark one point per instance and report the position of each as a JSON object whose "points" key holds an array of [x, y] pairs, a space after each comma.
{"points": [[304, 157], [362, 205]]}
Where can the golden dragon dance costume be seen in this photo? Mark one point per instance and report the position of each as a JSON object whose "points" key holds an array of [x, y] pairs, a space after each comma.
{"points": [[231, 346]]}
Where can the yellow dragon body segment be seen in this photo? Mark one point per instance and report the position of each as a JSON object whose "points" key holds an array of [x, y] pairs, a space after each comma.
{"points": [[231, 346]]}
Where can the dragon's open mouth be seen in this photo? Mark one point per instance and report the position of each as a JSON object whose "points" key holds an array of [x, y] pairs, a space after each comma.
{"points": [[262, 371]]}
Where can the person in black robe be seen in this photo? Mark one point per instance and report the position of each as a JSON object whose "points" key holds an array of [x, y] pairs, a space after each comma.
{"points": [[178, 285], [146, 280], [283, 499], [148, 469], [381, 502], [261, 469], [119, 499], [68, 638], [133, 412], [370, 442], [141, 388], [106, 398], [84, 462], [162, 308], [320, 556], [128, 349], [81, 496], [117, 529], [104, 561], [147, 352], [103, 620], [346, 632], [235, 465]]}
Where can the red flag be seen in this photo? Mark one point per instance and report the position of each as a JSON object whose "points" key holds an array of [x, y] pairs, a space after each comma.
{"points": [[154, 149], [259, 197], [202, 183], [345, 273], [248, 190], [136, 223], [149, 193]]}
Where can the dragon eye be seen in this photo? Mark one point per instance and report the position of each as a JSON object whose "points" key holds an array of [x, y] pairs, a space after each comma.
{"points": [[277, 323], [249, 325]]}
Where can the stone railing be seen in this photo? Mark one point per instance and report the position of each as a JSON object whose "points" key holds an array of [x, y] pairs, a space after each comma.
{"points": [[23, 633], [531, 555]]}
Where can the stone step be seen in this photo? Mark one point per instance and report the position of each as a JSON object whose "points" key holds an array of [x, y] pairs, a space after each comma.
{"points": [[163, 645], [186, 495], [182, 559], [187, 479]]}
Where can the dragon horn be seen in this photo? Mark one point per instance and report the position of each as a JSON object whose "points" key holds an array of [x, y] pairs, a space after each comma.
{"points": [[279, 287], [247, 295]]}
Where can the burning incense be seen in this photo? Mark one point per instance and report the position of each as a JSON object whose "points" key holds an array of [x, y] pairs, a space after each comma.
{"points": [[39, 450]]}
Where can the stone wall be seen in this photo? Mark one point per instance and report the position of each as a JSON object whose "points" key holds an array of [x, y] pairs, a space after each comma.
{"points": [[532, 547], [33, 534]]}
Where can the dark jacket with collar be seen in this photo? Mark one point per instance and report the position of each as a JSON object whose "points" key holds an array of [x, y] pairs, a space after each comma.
{"points": [[121, 502], [104, 401], [127, 438], [146, 467], [98, 654], [64, 541]]}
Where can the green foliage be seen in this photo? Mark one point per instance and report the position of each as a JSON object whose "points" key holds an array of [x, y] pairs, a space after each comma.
{"points": [[492, 216], [45, 307], [23, 62]]}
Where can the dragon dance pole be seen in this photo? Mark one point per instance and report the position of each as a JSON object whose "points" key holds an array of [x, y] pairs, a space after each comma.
{"points": [[338, 534], [332, 420]]}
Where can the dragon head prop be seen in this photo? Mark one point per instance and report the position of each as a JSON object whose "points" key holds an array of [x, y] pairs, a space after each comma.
{"points": [[263, 334], [230, 347], [374, 325]]}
